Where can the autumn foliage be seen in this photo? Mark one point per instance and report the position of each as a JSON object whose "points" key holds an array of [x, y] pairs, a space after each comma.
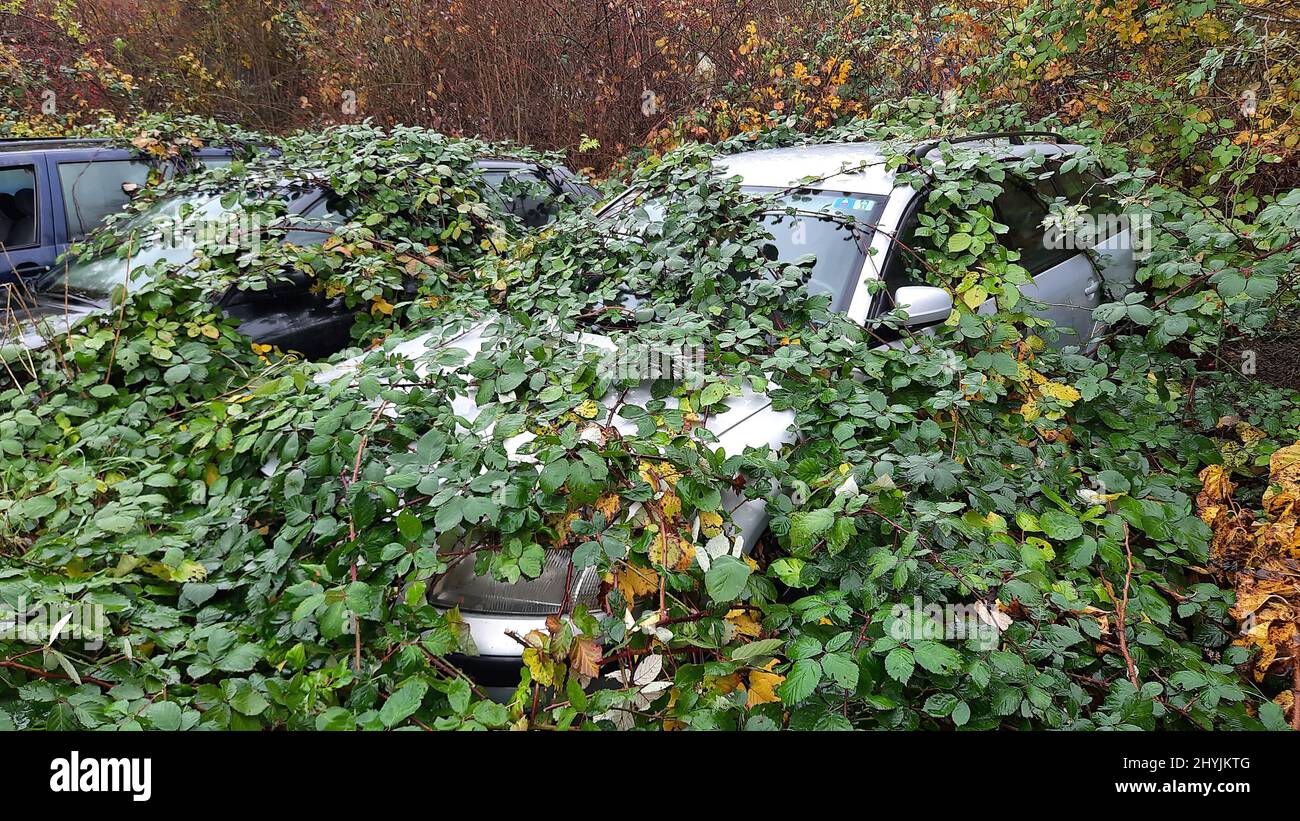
{"points": [[1199, 86], [1124, 526]]}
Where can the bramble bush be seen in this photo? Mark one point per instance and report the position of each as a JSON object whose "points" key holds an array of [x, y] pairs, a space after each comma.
{"points": [[262, 533]]}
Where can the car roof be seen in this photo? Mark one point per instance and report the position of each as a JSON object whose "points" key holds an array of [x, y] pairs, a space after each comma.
{"points": [[11, 144], [856, 167], [501, 163]]}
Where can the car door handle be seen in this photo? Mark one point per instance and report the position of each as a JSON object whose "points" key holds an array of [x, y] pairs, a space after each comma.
{"points": [[30, 268], [1092, 288]]}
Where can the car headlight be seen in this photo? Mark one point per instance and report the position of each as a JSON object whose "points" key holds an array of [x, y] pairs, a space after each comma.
{"points": [[542, 596]]}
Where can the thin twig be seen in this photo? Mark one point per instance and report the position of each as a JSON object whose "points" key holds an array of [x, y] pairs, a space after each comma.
{"points": [[1122, 612]]}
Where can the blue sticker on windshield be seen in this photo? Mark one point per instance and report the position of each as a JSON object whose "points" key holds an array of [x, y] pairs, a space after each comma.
{"points": [[853, 204]]}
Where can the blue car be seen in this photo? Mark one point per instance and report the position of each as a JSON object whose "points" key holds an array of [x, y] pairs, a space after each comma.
{"points": [[55, 191], [66, 188]]}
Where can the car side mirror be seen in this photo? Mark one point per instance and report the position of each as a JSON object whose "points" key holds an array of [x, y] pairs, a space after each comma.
{"points": [[925, 305]]}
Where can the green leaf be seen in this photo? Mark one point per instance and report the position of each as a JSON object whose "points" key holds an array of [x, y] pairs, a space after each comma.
{"points": [[763, 647], [249, 701], [491, 714], [899, 664], [336, 719], [409, 525], [940, 705], [176, 373], [163, 715], [800, 682], [939, 659], [806, 526], [553, 476], [1059, 525], [712, 394], [726, 578], [789, 570], [458, 694], [403, 702], [1273, 717], [842, 669], [241, 659]]}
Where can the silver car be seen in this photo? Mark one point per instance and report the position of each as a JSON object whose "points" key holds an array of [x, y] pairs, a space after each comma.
{"points": [[1067, 281]]}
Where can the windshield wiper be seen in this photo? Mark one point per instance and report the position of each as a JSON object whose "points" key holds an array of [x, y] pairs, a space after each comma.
{"points": [[57, 294]]}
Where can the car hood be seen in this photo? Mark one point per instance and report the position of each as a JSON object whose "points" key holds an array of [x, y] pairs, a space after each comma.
{"points": [[30, 324], [748, 421]]}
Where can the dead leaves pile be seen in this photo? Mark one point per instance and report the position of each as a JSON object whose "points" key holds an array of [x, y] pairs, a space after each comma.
{"points": [[1259, 556]]}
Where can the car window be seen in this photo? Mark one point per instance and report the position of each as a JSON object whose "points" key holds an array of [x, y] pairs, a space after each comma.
{"points": [[1085, 188], [318, 221], [833, 227], [524, 193], [1077, 186], [161, 232], [18, 206], [836, 251], [903, 267], [93, 190], [1047, 187], [1023, 213]]}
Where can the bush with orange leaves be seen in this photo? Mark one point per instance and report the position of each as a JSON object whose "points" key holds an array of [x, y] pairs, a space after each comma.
{"points": [[1259, 557]]}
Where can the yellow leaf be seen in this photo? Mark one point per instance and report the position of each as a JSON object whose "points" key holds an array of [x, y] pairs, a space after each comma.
{"points": [[563, 524], [668, 550], [609, 505], [762, 688], [671, 504], [540, 666], [975, 297], [1284, 472], [1215, 484], [588, 409], [655, 474], [1061, 393], [633, 581], [710, 523], [744, 622]]}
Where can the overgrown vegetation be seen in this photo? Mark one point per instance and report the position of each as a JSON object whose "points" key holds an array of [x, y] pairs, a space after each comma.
{"points": [[263, 535]]}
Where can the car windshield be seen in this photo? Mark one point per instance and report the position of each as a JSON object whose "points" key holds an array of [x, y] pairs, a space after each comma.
{"points": [[169, 231], [833, 227]]}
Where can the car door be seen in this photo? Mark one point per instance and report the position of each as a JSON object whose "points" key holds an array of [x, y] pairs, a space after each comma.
{"points": [[1105, 230], [92, 184], [27, 238], [290, 316], [1065, 281], [90, 187]]}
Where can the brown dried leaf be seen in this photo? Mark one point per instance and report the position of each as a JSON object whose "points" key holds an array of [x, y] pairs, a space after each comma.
{"points": [[585, 658]]}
